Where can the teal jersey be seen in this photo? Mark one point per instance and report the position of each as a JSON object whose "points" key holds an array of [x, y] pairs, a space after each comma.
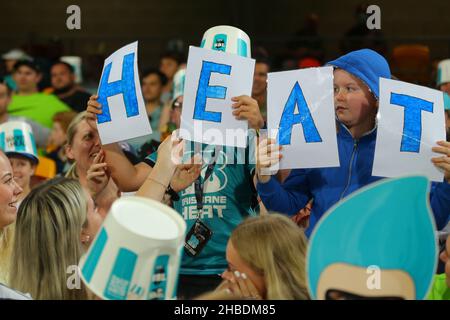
{"points": [[228, 198]]}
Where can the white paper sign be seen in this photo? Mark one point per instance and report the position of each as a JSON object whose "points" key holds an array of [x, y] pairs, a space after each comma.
{"points": [[301, 117], [124, 115], [410, 122], [212, 79]]}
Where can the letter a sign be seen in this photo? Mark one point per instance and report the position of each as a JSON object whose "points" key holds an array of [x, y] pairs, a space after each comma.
{"points": [[301, 118]]}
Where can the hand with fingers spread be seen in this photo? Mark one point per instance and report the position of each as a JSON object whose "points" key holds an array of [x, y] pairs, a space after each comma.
{"points": [[186, 174], [443, 162], [97, 175], [246, 108], [170, 154], [268, 154]]}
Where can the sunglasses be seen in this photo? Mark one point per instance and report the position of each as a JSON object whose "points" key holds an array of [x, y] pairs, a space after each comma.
{"points": [[177, 104]]}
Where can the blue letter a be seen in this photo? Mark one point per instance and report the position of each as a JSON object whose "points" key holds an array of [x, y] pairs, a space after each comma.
{"points": [[288, 118], [125, 86]]}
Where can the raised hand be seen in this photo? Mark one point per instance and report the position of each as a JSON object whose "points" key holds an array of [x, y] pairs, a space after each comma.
{"points": [[98, 175]]}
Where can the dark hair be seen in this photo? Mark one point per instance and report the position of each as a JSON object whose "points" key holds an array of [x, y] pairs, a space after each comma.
{"points": [[162, 77], [178, 57], [261, 55], [68, 66], [27, 63]]}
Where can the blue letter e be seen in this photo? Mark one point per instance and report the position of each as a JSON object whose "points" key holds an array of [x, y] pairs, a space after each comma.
{"points": [[205, 91]]}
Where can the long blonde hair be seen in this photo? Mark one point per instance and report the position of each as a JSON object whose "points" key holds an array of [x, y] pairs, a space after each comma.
{"points": [[273, 246], [73, 126], [6, 241], [47, 240], [71, 132]]}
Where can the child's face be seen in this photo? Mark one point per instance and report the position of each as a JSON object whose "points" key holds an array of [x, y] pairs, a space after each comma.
{"points": [[58, 137], [354, 104], [23, 170]]}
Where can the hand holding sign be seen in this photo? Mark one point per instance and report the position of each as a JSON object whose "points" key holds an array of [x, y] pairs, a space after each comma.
{"points": [[443, 162], [246, 108], [268, 155]]}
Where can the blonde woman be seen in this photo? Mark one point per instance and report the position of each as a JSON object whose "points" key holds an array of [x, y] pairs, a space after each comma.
{"points": [[266, 260], [9, 197], [84, 149], [53, 223]]}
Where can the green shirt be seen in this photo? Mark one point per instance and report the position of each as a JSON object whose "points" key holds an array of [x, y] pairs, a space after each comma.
{"points": [[439, 290], [39, 107]]}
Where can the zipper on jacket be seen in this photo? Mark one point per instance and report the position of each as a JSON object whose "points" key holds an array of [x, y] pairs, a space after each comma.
{"points": [[355, 146]]}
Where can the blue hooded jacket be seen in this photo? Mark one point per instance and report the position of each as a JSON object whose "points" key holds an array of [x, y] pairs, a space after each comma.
{"points": [[329, 185]]}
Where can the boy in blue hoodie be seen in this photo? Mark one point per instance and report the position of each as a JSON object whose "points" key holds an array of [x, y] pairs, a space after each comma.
{"points": [[356, 93]]}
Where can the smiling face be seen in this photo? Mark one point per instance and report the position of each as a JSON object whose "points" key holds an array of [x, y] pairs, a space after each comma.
{"points": [[9, 193], [355, 106], [23, 170], [84, 147], [235, 263]]}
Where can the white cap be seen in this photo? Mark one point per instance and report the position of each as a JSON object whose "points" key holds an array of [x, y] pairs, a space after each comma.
{"points": [[137, 252], [228, 39], [16, 137], [16, 54], [443, 72], [75, 62]]}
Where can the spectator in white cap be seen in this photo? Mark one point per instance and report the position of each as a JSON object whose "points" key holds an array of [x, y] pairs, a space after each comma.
{"points": [[17, 141], [10, 58]]}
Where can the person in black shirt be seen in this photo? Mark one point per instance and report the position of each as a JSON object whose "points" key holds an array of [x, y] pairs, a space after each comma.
{"points": [[65, 88]]}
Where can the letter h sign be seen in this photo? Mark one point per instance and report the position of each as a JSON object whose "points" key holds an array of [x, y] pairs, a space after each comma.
{"points": [[124, 86]]}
